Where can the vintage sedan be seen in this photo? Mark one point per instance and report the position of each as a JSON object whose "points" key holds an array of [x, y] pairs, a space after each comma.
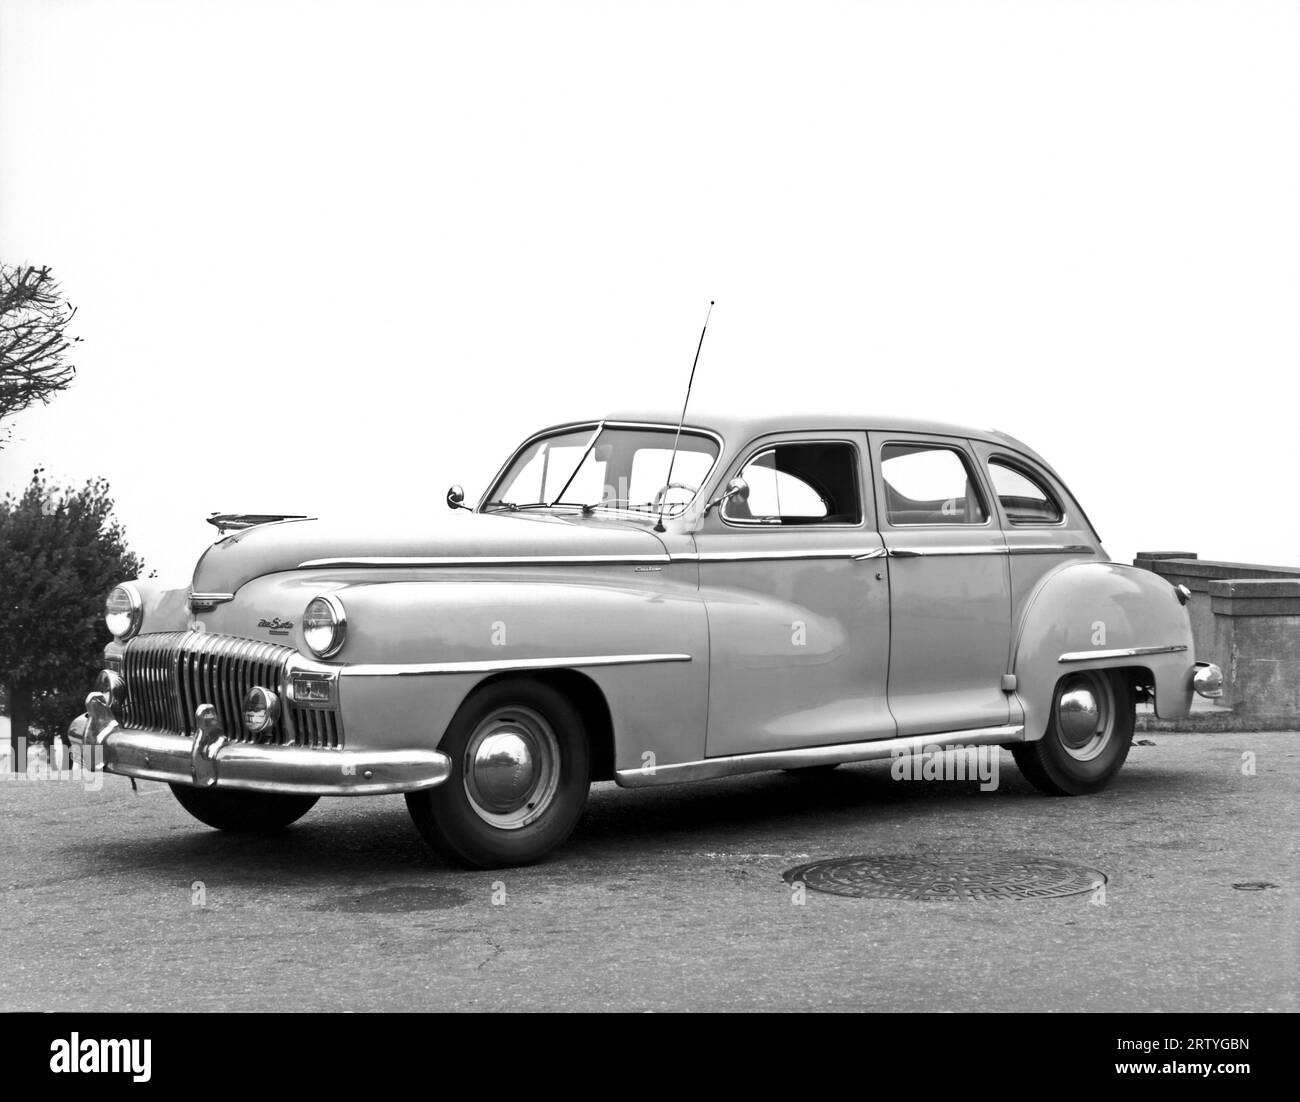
{"points": [[647, 602]]}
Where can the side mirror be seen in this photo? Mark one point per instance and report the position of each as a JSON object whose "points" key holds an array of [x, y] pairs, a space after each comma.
{"points": [[737, 488], [456, 498]]}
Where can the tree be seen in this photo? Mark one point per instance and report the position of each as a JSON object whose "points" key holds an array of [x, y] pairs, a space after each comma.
{"points": [[61, 551], [33, 338]]}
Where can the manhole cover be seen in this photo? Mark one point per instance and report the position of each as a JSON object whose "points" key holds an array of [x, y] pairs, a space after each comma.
{"points": [[965, 879]]}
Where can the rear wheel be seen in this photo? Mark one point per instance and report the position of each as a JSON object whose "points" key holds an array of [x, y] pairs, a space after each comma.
{"points": [[242, 812], [1088, 735], [521, 768]]}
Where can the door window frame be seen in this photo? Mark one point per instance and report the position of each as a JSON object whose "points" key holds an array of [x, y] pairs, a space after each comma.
{"points": [[862, 478], [974, 471]]}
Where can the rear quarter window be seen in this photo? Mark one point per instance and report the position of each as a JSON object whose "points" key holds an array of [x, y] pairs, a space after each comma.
{"points": [[1025, 498]]}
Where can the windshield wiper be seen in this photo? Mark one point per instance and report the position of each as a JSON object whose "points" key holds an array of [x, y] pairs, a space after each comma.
{"points": [[508, 505], [590, 444]]}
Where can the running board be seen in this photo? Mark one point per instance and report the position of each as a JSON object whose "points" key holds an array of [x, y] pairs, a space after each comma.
{"points": [[710, 768]]}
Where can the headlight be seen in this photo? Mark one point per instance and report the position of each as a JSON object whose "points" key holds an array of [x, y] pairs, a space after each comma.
{"points": [[261, 709], [324, 625], [123, 611]]}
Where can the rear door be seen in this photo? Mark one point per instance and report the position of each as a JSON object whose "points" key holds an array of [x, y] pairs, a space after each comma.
{"points": [[949, 582]]}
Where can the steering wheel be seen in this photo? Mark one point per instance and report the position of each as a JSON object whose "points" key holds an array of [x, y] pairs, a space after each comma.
{"points": [[662, 492]]}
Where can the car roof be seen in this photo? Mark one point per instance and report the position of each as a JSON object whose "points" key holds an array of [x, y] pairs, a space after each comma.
{"points": [[738, 429]]}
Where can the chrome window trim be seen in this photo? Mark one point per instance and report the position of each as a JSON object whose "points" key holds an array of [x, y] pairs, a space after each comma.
{"points": [[764, 443], [1124, 652], [973, 472], [497, 665], [556, 430]]}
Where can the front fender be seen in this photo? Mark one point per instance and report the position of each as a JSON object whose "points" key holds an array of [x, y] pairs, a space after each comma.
{"points": [[416, 648], [163, 607], [405, 623], [1092, 612]]}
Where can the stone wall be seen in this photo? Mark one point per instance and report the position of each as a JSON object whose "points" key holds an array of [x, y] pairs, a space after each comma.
{"points": [[1246, 620]]}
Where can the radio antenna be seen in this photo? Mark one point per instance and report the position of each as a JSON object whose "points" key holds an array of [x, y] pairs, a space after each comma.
{"points": [[659, 525]]}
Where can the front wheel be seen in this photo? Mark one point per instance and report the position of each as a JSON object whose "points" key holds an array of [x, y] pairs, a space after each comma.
{"points": [[1088, 735], [242, 812], [521, 768]]}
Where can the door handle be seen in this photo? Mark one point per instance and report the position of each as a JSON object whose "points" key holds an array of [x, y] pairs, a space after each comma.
{"points": [[874, 553]]}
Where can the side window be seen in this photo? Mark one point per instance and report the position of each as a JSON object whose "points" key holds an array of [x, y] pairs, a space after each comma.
{"points": [[929, 484], [1024, 498], [800, 484]]}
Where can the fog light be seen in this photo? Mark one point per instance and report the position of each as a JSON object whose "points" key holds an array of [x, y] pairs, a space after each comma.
{"points": [[261, 710], [1208, 680]]}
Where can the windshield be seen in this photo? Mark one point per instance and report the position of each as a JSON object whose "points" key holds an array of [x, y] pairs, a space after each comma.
{"points": [[607, 467]]}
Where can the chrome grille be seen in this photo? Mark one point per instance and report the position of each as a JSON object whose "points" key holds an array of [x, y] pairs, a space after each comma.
{"points": [[168, 675]]}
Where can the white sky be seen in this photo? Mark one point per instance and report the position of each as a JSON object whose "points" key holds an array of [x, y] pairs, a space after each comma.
{"points": [[333, 255]]}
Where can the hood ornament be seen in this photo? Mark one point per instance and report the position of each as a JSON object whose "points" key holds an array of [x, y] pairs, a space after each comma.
{"points": [[237, 522]]}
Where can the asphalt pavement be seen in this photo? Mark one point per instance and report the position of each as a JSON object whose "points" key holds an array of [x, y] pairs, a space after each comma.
{"points": [[672, 899]]}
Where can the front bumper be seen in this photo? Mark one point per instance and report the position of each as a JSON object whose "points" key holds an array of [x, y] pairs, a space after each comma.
{"points": [[210, 759]]}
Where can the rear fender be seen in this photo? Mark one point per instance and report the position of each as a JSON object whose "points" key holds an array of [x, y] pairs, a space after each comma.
{"points": [[1102, 616]]}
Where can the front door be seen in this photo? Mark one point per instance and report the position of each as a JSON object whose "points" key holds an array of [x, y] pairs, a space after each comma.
{"points": [[950, 590], [794, 579]]}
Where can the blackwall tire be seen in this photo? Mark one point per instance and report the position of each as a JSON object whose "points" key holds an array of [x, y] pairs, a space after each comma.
{"points": [[239, 812]]}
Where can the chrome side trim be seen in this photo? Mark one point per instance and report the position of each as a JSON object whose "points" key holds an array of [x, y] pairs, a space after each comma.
{"points": [[1051, 549], [791, 553], [935, 552], [498, 665], [1124, 652], [710, 768], [1022, 549], [485, 560]]}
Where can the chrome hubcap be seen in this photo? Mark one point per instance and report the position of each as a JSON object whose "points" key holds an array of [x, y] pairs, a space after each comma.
{"points": [[511, 767], [1085, 715]]}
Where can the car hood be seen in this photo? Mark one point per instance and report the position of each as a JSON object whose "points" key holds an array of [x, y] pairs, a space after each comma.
{"points": [[488, 538]]}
